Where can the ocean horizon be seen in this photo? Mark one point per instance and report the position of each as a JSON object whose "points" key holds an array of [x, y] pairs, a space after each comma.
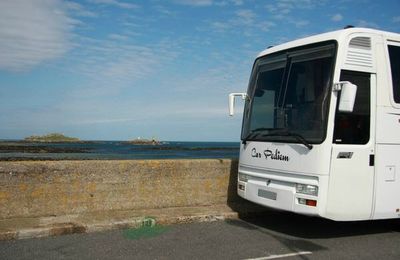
{"points": [[16, 150]]}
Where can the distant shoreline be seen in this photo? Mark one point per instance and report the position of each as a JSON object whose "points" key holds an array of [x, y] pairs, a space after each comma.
{"points": [[133, 142], [61, 138]]}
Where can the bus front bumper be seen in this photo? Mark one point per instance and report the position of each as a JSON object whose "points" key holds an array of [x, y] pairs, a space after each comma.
{"points": [[277, 194]]}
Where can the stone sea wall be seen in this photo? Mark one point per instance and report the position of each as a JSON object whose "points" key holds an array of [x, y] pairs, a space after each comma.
{"points": [[53, 188]]}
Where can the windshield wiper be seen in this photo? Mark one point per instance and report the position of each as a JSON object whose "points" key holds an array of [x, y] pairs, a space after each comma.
{"points": [[254, 133], [297, 136]]}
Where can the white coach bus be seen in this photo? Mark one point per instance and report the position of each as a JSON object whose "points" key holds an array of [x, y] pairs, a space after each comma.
{"points": [[321, 126]]}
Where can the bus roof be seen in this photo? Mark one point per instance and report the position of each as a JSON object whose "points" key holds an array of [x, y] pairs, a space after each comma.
{"points": [[334, 35]]}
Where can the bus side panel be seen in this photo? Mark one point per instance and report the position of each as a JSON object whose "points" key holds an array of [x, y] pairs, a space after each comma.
{"points": [[387, 182], [387, 198]]}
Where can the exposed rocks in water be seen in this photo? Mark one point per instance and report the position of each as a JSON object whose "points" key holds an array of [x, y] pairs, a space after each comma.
{"points": [[140, 141], [51, 138], [21, 158], [40, 149]]}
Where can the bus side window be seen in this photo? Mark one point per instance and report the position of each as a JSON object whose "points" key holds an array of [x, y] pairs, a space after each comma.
{"points": [[354, 127], [394, 54]]}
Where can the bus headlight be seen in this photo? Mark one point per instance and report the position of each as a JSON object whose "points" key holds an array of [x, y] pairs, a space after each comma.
{"points": [[243, 177], [307, 189]]}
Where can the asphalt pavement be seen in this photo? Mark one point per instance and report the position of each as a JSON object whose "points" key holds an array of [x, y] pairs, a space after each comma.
{"points": [[274, 235]]}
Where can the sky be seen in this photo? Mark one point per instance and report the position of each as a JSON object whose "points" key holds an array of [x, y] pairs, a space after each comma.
{"points": [[119, 69]]}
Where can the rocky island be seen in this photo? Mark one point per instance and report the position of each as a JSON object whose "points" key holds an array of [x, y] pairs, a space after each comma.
{"points": [[30, 147], [140, 141], [51, 138]]}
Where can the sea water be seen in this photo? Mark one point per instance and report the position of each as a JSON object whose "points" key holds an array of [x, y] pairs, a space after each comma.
{"points": [[118, 150]]}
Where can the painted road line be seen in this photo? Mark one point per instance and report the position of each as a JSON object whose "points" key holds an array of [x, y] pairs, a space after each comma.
{"points": [[281, 256]]}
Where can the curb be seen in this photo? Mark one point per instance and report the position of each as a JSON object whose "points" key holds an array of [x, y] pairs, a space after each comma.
{"points": [[56, 229]]}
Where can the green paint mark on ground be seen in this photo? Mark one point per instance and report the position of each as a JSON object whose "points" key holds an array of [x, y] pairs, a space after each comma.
{"points": [[144, 232]]}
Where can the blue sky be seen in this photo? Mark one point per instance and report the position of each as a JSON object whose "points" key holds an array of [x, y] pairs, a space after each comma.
{"points": [[119, 69]]}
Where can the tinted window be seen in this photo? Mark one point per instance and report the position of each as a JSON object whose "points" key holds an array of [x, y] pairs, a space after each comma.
{"points": [[394, 54], [266, 95], [354, 127]]}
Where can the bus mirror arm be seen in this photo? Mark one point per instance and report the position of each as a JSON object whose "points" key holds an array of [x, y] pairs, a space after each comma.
{"points": [[232, 96], [348, 92]]}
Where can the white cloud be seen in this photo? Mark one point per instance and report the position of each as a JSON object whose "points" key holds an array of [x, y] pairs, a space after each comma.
{"points": [[244, 21], [194, 2], [337, 18], [164, 11], [366, 24], [226, 3], [115, 62], [32, 32], [79, 10], [300, 23], [201, 3], [246, 16], [220, 26], [116, 3], [117, 37], [281, 8], [266, 26], [237, 2]]}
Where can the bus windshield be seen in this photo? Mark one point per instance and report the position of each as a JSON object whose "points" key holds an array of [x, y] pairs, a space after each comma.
{"points": [[289, 95]]}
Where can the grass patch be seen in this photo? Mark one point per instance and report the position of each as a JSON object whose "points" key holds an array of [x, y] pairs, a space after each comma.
{"points": [[144, 232]]}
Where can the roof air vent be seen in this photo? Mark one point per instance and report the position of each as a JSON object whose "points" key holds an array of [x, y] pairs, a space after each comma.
{"points": [[360, 43], [359, 53]]}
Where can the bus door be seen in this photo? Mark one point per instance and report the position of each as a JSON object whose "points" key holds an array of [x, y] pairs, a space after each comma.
{"points": [[351, 181]]}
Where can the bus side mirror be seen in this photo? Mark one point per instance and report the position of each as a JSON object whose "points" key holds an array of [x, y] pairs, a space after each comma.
{"points": [[232, 101], [347, 95]]}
